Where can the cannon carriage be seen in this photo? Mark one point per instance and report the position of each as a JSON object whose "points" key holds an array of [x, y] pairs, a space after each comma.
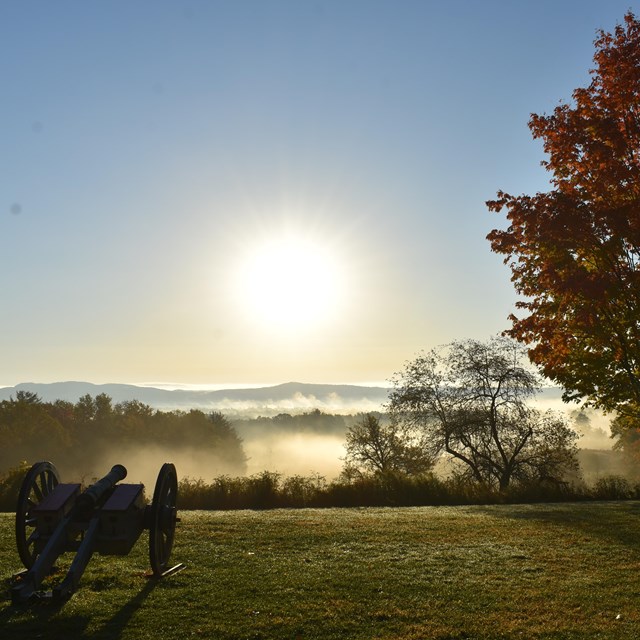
{"points": [[107, 518]]}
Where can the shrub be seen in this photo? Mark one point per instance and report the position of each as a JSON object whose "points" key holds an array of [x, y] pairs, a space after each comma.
{"points": [[301, 491], [268, 490], [10, 483], [613, 488]]}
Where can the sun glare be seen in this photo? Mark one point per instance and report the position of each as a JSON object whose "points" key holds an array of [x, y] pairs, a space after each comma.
{"points": [[291, 284]]}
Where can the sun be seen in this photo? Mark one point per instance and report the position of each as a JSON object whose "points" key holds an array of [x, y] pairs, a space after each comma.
{"points": [[291, 283]]}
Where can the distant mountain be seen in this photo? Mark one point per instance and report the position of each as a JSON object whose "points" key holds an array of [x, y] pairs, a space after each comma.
{"points": [[290, 397]]}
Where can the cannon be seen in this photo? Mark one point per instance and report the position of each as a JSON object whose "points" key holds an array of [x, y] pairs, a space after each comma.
{"points": [[108, 518]]}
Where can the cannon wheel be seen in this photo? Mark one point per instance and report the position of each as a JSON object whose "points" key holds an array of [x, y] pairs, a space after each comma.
{"points": [[163, 518], [38, 483]]}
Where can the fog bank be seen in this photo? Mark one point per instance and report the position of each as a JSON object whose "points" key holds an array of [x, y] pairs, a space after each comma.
{"points": [[296, 454]]}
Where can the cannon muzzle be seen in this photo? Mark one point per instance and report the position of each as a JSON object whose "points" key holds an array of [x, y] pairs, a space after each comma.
{"points": [[90, 498]]}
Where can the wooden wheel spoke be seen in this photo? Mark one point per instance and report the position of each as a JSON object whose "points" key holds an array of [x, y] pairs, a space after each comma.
{"points": [[51, 482], [46, 482], [37, 492]]}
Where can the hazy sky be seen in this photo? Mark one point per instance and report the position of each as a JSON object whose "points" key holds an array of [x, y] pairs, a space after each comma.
{"points": [[263, 191]]}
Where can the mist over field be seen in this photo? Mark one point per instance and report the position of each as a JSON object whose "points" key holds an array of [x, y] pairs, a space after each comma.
{"points": [[293, 452], [296, 454], [143, 465], [297, 450], [290, 429], [594, 431]]}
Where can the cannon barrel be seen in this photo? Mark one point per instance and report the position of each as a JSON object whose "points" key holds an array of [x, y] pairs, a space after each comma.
{"points": [[91, 497]]}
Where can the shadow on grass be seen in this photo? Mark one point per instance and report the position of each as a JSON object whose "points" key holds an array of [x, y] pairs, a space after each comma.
{"points": [[39, 619], [615, 521], [113, 628]]}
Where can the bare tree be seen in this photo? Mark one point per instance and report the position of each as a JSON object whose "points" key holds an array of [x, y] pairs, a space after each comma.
{"points": [[470, 401], [385, 447]]}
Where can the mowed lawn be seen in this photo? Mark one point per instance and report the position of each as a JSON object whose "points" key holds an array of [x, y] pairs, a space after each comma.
{"points": [[524, 571]]}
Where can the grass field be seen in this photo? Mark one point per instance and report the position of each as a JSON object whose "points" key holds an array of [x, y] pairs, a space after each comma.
{"points": [[524, 571]]}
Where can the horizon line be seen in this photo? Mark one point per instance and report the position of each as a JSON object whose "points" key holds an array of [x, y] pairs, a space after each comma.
{"points": [[186, 386]]}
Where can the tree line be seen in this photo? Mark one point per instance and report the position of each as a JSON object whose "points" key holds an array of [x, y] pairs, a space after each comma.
{"points": [[79, 436]]}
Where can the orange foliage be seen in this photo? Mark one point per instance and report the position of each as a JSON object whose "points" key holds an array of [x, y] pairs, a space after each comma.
{"points": [[574, 251]]}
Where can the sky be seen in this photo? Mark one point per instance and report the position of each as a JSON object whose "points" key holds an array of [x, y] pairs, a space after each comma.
{"points": [[254, 192]]}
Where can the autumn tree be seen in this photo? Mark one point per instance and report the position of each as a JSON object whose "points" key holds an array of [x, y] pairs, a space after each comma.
{"points": [[470, 399], [574, 251], [382, 447]]}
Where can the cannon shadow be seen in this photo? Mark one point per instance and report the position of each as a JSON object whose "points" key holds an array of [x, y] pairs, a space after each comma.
{"points": [[114, 628], [39, 619]]}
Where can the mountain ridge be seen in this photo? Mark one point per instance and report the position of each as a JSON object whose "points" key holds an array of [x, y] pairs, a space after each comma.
{"points": [[301, 394]]}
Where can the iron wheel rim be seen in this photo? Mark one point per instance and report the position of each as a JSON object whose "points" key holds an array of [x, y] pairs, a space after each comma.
{"points": [[163, 518], [38, 483]]}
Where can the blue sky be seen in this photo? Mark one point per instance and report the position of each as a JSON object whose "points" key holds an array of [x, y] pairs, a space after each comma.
{"points": [[153, 151]]}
